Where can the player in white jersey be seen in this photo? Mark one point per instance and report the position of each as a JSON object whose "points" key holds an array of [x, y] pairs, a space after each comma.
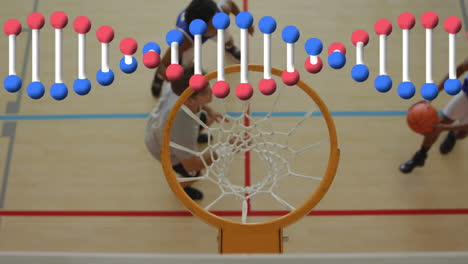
{"points": [[184, 131]]}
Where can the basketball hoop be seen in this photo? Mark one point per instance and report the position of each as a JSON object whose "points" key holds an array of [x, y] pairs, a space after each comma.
{"points": [[243, 237]]}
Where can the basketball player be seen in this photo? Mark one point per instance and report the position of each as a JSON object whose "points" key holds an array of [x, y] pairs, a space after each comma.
{"points": [[197, 9], [184, 131], [456, 110]]}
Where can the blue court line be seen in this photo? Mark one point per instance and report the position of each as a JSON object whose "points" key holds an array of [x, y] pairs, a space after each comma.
{"points": [[335, 113], [234, 114], [73, 117]]}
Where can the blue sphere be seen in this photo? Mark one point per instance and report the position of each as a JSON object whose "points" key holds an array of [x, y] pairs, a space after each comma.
{"points": [[336, 60], [452, 86], [244, 20], [151, 46], [128, 68], [267, 25], [429, 91], [82, 86], [290, 34], [36, 90], [58, 91], [197, 27], [383, 83], [360, 72], [105, 78], [174, 36], [12, 83], [221, 21], [406, 90], [313, 46]]}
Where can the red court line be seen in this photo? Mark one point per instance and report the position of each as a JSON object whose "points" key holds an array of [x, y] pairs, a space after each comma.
{"points": [[381, 212], [245, 7]]}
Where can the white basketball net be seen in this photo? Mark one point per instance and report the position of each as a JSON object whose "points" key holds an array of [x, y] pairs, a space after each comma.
{"points": [[229, 138]]}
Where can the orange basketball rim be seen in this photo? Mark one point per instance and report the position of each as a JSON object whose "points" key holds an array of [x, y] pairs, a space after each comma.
{"points": [[264, 237]]}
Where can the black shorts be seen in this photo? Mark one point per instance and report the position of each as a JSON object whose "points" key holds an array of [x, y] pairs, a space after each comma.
{"points": [[204, 119], [181, 171]]}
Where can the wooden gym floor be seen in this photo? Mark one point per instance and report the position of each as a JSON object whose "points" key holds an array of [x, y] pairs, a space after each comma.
{"points": [[88, 153]]}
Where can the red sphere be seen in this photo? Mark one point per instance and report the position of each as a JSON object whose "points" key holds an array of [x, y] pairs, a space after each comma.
{"points": [[221, 89], [290, 78], [198, 82], [244, 91], [174, 72], [452, 25], [105, 34], [151, 59], [429, 20], [422, 117], [360, 36], [337, 46], [59, 20], [82, 25], [313, 68], [406, 20], [12, 27], [128, 46], [383, 27], [36, 20], [267, 86]]}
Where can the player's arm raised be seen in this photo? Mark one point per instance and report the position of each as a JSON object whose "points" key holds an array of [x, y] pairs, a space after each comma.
{"points": [[231, 8]]}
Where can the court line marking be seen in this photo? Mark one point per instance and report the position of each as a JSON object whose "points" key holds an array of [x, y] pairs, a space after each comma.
{"points": [[9, 128], [14, 108], [234, 114], [227, 213]]}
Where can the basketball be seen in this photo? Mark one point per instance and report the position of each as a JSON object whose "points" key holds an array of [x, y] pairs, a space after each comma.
{"points": [[422, 117]]}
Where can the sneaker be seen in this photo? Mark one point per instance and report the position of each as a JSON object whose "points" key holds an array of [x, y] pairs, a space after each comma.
{"points": [[156, 87], [448, 143], [417, 161], [234, 52], [193, 193]]}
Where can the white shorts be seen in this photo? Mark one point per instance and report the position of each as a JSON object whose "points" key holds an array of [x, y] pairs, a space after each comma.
{"points": [[457, 108]]}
